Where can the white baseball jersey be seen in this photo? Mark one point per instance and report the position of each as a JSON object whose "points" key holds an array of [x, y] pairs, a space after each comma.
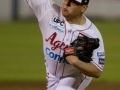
{"points": [[58, 34]]}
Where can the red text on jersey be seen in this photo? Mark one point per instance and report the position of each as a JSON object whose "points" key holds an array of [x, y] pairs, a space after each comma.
{"points": [[56, 43]]}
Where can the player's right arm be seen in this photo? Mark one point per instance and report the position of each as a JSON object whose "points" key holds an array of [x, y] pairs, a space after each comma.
{"points": [[40, 7]]}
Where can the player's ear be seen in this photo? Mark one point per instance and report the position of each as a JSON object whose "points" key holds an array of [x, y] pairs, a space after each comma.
{"points": [[84, 8]]}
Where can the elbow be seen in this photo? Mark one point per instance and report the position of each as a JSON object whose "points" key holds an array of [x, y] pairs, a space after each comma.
{"points": [[98, 74]]}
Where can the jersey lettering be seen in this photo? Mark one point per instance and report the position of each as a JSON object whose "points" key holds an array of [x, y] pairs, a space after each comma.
{"points": [[100, 54], [57, 24], [52, 55], [55, 57], [57, 20], [56, 28], [56, 44]]}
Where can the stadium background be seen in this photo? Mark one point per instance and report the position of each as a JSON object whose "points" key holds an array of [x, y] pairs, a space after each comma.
{"points": [[21, 58]]}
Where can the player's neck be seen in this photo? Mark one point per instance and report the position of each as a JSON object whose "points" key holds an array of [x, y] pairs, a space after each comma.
{"points": [[78, 20]]}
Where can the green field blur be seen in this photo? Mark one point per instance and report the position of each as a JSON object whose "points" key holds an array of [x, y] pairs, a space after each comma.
{"points": [[21, 56]]}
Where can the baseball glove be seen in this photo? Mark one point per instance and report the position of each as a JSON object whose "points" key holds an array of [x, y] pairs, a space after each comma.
{"points": [[83, 48]]}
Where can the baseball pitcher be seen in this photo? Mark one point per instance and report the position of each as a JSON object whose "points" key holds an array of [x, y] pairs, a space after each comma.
{"points": [[73, 46]]}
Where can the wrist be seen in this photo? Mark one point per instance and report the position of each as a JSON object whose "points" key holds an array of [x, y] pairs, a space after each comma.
{"points": [[72, 59]]}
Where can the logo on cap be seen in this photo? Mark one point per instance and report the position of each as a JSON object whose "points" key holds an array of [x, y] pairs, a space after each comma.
{"points": [[85, 0], [79, 1]]}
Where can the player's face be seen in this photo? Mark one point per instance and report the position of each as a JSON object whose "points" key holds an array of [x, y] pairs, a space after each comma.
{"points": [[71, 8]]}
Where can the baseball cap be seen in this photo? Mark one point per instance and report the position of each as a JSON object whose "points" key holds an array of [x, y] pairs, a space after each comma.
{"points": [[83, 1]]}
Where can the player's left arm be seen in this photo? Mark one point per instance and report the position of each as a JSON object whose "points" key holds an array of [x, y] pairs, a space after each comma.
{"points": [[95, 66], [88, 69]]}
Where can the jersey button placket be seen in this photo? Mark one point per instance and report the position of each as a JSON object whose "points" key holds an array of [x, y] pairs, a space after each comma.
{"points": [[69, 34]]}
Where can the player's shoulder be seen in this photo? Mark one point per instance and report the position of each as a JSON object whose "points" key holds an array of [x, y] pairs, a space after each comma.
{"points": [[94, 28], [89, 24], [92, 25]]}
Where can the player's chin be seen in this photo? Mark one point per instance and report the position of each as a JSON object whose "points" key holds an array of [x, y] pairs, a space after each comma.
{"points": [[64, 13]]}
